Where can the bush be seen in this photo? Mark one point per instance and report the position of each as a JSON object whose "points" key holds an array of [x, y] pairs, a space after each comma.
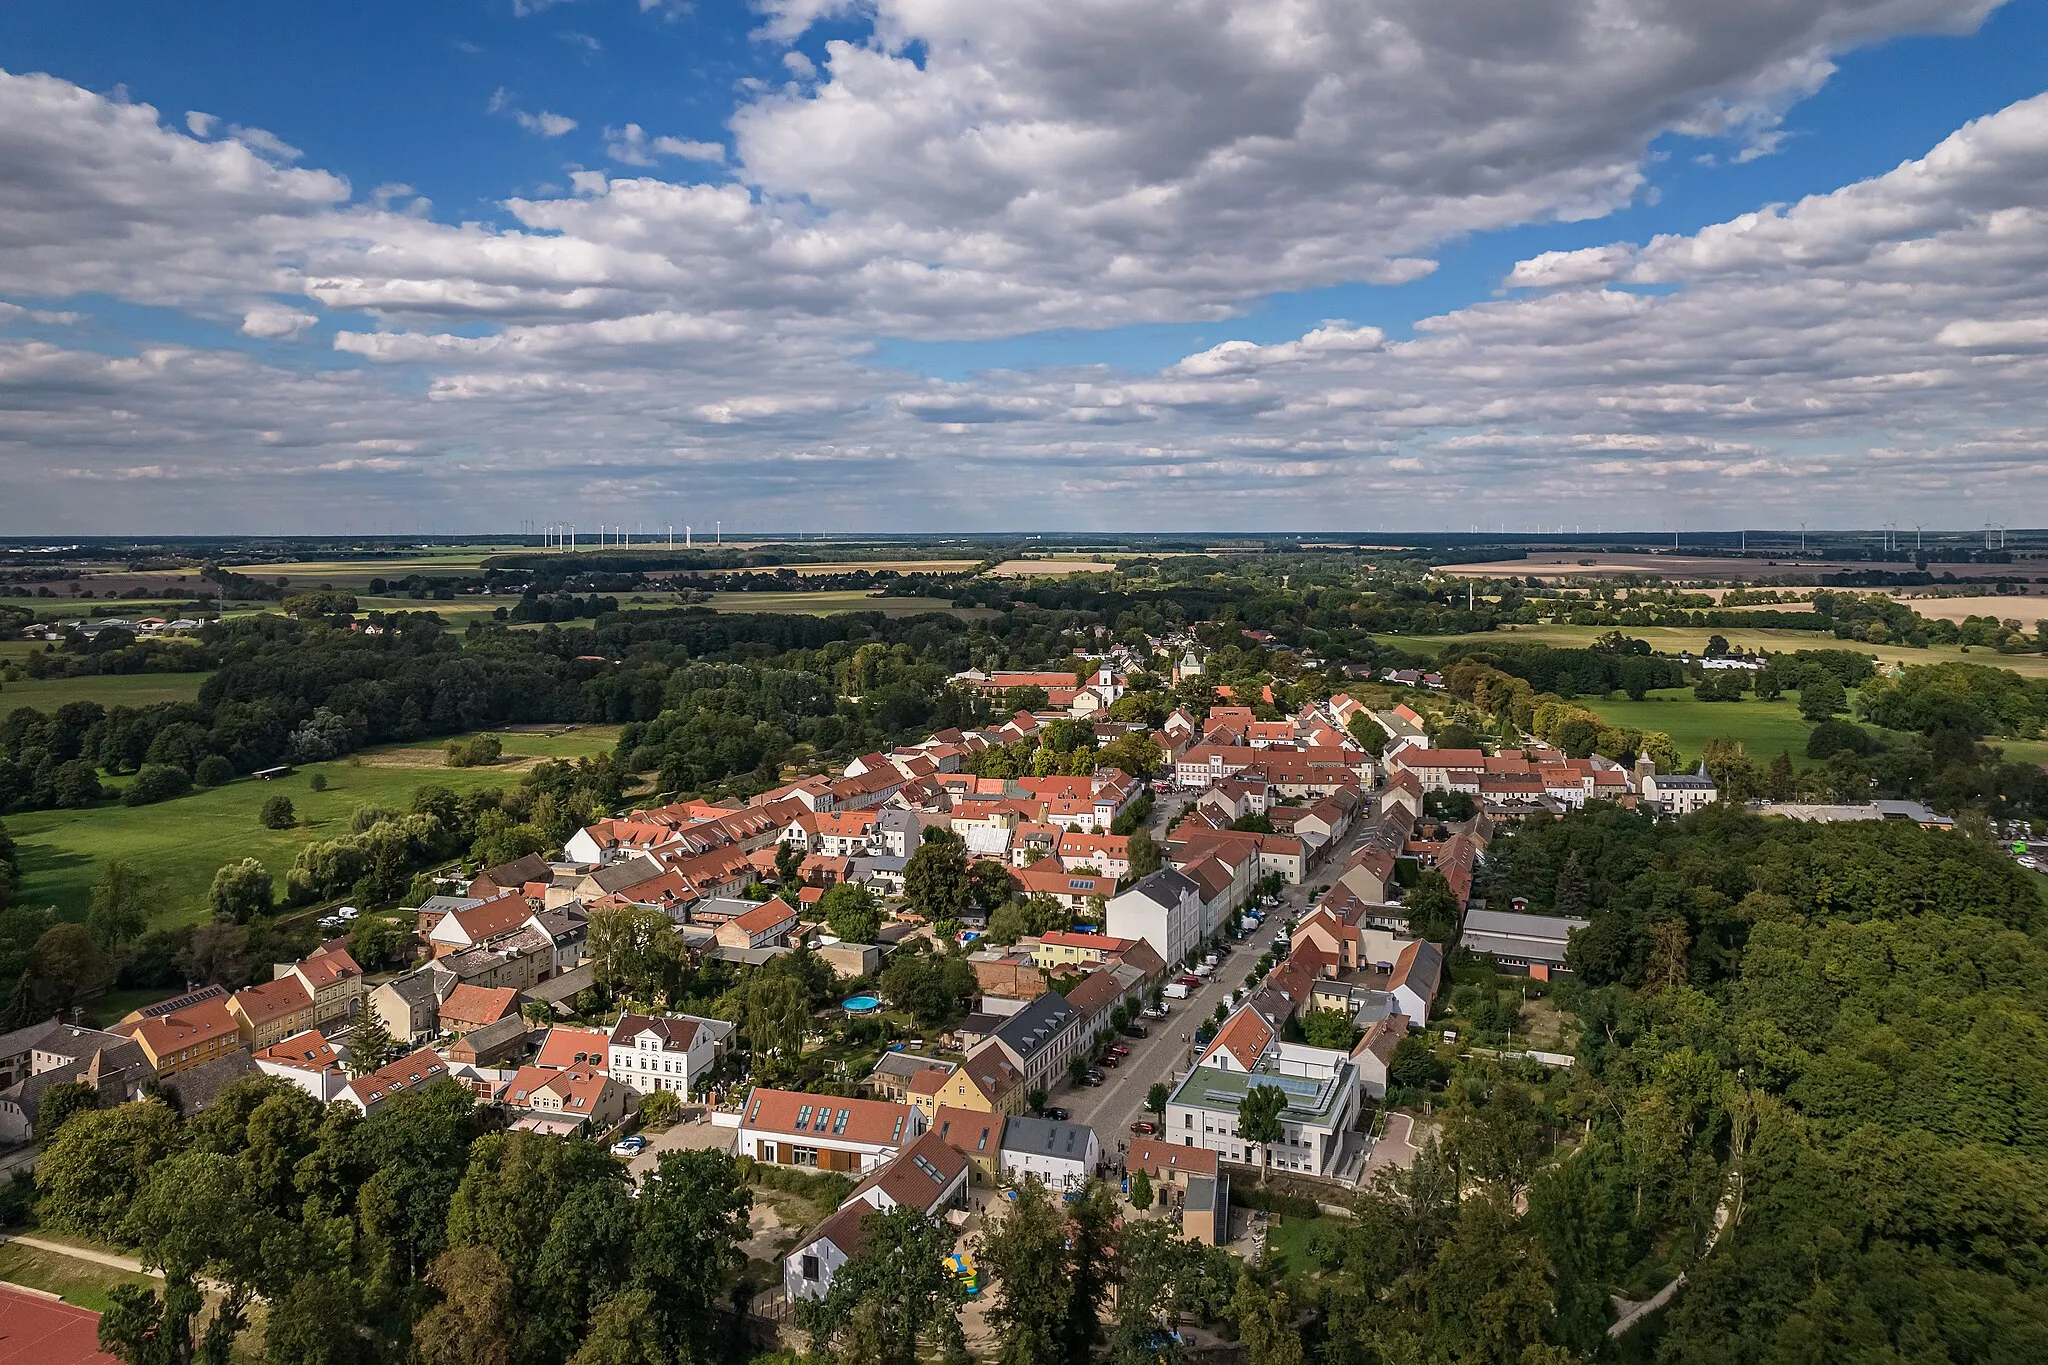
{"points": [[478, 751], [827, 1189], [660, 1109], [213, 771], [242, 891], [1273, 1201], [278, 813], [156, 782], [317, 782]]}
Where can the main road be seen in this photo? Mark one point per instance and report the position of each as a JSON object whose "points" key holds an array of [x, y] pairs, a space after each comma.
{"points": [[1168, 1050]]}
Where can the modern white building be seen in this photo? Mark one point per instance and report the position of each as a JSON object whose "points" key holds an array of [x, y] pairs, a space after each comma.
{"points": [[823, 1132], [1164, 909], [1063, 1155], [1322, 1087]]}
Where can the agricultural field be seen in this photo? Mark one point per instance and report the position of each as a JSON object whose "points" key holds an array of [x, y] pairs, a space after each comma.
{"points": [[1054, 566], [108, 689], [829, 603], [185, 841], [2025, 610], [1672, 639], [1669, 567], [855, 565], [1766, 728]]}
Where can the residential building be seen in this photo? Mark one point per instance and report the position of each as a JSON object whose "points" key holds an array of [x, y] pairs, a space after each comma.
{"points": [[467, 1008], [308, 1061], [1063, 948], [409, 1073], [1680, 793], [1413, 983], [495, 1044], [271, 1011], [531, 870], [185, 1032], [1062, 1155], [1164, 909], [1041, 1039], [1205, 1210], [975, 1135], [824, 1132], [333, 978], [1169, 1163], [116, 1067], [1374, 1053], [479, 924], [987, 1082], [563, 1048], [767, 925], [1322, 1089], [928, 1175], [576, 1095], [665, 1052]]}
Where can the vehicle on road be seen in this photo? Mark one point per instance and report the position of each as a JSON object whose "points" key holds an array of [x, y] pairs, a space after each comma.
{"points": [[1094, 1077], [347, 912], [629, 1146], [1205, 970], [1055, 1113], [1175, 990], [1157, 1011], [330, 921], [1144, 1129], [1109, 1059], [1134, 1029], [1189, 981], [1119, 1049]]}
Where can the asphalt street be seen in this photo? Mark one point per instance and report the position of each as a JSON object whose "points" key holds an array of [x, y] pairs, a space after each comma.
{"points": [[1162, 1055]]}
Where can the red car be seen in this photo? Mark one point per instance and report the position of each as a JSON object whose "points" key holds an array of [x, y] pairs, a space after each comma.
{"points": [[1144, 1129], [1191, 982], [1119, 1049], [1108, 1060]]}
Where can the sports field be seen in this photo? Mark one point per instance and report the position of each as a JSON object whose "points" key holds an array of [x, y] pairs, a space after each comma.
{"points": [[184, 842]]}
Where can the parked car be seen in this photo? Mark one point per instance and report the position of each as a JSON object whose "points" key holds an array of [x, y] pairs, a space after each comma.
{"points": [[1055, 1113], [1157, 1011], [347, 912], [1134, 1029], [1119, 1049], [1109, 1059], [330, 922], [629, 1146], [1189, 981], [1143, 1128], [1095, 1077]]}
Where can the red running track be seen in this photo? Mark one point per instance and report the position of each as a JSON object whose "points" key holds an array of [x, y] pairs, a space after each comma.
{"points": [[39, 1331]]}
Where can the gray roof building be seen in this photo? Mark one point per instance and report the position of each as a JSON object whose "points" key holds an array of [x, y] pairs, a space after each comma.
{"points": [[1518, 939]]}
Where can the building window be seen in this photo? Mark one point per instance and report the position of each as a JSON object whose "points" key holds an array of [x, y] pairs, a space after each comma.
{"points": [[810, 1267], [803, 1156]]}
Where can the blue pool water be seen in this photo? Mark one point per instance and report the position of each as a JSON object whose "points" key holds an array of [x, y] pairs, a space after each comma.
{"points": [[861, 1004]]}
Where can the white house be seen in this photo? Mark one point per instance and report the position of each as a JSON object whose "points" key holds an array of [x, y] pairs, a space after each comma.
{"points": [[308, 1061], [1680, 793], [1322, 1087], [927, 1175], [664, 1052], [1063, 1155], [1164, 909]]}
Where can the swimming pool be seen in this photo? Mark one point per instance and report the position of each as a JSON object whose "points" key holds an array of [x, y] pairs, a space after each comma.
{"points": [[860, 1004]]}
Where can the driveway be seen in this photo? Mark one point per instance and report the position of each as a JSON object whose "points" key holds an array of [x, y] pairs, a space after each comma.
{"points": [[696, 1132]]}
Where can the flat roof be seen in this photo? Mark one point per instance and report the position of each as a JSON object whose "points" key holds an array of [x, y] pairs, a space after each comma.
{"points": [[1308, 1100]]}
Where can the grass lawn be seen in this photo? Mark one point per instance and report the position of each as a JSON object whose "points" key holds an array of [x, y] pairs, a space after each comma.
{"points": [[1765, 728], [80, 1282], [108, 689], [2022, 750], [1289, 1242], [1671, 639], [185, 841]]}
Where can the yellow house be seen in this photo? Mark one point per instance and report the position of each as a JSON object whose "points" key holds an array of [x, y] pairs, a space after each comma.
{"points": [[184, 1035], [271, 1012], [988, 1082]]}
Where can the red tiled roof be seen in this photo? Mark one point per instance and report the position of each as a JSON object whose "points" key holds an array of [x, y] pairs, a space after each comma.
{"points": [[308, 1051], [558, 1051], [1154, 1155], [273, 1000], [1245, 1036], [872, 1122]]}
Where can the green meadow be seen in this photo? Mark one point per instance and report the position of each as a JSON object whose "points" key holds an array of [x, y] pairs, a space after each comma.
{"points": [[183, 842]]}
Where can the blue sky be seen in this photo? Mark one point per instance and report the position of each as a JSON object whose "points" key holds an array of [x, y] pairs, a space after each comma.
{"points": [[900, 295]]}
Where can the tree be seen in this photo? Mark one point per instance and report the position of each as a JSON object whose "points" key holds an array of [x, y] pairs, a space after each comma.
{"points": [[370, 1045], [1052, 1266], [1156, 1097], [121, 898], [241, 891], [935, 879], [778, 1014], [1141, 1191], [789, 864], [1570, 896], [851, 912], [1433, 910], [622, 1333], [277, 812], [895, 1291], [156, 782], [988, 884], [691, 1222], [1821, 695], [376, 942], [1368, 734], [1329, 1028], [1265, 1323], [473, 1323], [217, 953], [68, 959], [1258, 1119], [660, 1109], [90, 1175], [1142, 852], [59, 1103]]}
